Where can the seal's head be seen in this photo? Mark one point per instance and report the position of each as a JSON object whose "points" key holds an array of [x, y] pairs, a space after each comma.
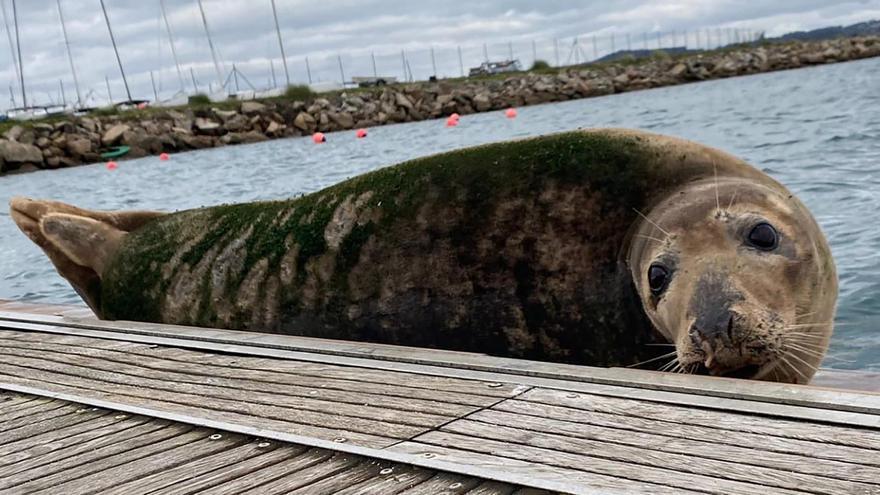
{"points": [[737, 274]]}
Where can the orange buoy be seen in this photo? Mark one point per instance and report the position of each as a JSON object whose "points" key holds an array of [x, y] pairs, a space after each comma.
{"points": [[319, 138], [510, 113], [450, 122], [361, 133], [111, 165], [164, 157]]}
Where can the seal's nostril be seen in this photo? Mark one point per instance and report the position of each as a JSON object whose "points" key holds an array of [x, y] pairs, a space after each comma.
{"points": [[730, 328]]}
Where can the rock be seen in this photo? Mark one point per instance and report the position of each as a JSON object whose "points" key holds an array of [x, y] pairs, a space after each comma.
{"points": [[114, 134], [43, 129], [237, 123], [342, 119], [224, 114], [305, 122], [19, 153], [78, 146], [482, 102], [403, 101], [196, 142], [89, 124], [13, 133], [206, 126], [274, 127], [678, 70], [249, 107], [243, 137]]}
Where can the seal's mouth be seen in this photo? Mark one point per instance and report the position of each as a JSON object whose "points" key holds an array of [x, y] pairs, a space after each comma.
{"points": [[747, 371]]}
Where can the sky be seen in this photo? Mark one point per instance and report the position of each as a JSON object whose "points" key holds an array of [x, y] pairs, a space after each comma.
{"points": [[405, 37]]}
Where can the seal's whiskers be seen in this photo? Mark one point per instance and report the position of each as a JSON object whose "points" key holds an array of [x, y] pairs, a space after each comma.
{"points": [[664, 356], [651, 238], [652, 222], [793, 367], [809, 352]]}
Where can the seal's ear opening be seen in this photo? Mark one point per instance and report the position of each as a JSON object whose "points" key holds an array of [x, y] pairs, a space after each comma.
{"points": [[78, 242]]}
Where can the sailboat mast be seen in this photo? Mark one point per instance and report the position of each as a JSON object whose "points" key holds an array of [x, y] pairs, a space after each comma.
{"points": [[18, 47], [280, 44], [171, 41], [115, 50], [11, 43], [69, 55], [210, 43]]}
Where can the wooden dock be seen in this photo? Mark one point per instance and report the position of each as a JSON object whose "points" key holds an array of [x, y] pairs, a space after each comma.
{"points": [[89, 406]]}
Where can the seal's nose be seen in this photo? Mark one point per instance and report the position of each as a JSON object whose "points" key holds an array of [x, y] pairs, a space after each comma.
{"points": [[713, 324]]}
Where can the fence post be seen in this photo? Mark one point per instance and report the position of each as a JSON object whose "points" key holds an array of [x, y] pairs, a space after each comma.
{"points": [[308, 70], [534, 52], [433, 63], [595, 48], [373, 57], [485, 53], [510, 49]]}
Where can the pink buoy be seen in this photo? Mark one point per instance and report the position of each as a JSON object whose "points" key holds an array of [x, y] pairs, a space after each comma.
{"points": [[319, 138], [510, 113], [164, 157], [111, 165], [361, 133], [450, 122], [455, 116]]}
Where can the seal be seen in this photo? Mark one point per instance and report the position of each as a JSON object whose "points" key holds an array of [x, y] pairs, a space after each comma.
{"points": [[594, 247]]}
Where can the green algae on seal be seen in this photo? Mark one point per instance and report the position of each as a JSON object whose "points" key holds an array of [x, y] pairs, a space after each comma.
{"points": [[550, 248]]}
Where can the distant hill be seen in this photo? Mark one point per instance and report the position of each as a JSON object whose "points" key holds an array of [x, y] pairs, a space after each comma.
{"points": [[860, 29]]}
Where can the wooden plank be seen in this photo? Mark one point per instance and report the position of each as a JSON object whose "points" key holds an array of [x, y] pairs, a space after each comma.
{"points": [[794, 455], [329, 482], [192, 467], [30, 408], [86, 462], [576, 480], [610, 469], [719, 387], [42, 414], [862, 438], [158, 405], [713, 402], [320, 369], [10, 401], [443, 484], [257, 370], [98, 477], [675, 463], [38, 369], [865, 381], [239, 472], [162, 369], [265, 431], [259, 481], [390, 480], [47, 423], [57, 445], [240, 392], [492, 488]]}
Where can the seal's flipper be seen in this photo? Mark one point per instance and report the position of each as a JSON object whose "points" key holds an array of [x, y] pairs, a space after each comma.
{"points": [[78, 242]]}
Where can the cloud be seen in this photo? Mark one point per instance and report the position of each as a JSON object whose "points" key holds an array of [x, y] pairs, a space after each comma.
{"points": [[355, 31]]}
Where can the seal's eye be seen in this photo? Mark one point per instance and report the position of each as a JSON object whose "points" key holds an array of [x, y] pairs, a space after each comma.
{"points": [[764, 237], [657, 278]]}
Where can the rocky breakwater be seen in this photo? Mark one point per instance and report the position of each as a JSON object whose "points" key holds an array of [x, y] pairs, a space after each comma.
{"points": [[80, 140]]}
